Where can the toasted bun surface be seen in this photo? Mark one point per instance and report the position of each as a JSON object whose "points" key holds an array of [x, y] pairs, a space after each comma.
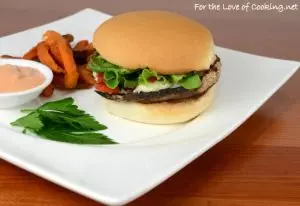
{"points": [[163, 41], [161, 113]]}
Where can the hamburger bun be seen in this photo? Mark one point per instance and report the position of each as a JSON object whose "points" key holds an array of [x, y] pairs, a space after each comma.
{"points": [[163, 112], [165, 42]]}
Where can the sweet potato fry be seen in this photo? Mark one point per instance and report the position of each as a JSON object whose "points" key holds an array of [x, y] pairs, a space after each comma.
{"points": [[46, 58], [9, 57], [56, 55], [69, 37], [55, 51], [84, 85], [81, 45], [71, 74], [82, 56], [91, 48], [86, 75], [58, 81], [31, 54], [48, 92]]}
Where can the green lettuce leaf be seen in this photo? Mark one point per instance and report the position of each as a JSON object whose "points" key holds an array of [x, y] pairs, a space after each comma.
{"points": [[130, 83], [96, 64], [191, 82], [163, 79], [115, 75], [145, 75], [111, 78], [177, 77]]}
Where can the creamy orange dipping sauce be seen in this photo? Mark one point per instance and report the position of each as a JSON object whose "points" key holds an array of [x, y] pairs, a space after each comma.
{"points": [[16, 78]]}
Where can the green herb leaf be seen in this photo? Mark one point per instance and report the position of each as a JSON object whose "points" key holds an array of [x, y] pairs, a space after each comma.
{"points": [[191, 82], [31, 121], [65, 135], [64, 106], [85, 122], [63, 121]]}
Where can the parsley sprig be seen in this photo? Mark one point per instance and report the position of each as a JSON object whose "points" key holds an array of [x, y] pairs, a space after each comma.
{"points": [[63, 121]]}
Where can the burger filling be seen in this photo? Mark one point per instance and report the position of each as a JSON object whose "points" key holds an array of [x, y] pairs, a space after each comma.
{"points": [[147, 86]]}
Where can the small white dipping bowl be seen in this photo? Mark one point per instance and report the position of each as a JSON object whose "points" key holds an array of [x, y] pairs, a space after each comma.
{"points": [[14, 99]]}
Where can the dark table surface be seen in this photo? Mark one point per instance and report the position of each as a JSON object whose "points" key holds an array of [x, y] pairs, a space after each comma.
{"points": [[258, 164]]}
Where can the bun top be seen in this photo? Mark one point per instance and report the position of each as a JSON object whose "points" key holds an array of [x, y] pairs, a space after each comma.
{"points": [[165, 42]]}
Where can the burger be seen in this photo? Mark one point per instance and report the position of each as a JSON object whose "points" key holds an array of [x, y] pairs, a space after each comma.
{"points": [[155, 67]]}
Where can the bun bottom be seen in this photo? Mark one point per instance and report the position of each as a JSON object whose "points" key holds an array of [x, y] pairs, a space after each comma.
{"points": [[164, 112]]}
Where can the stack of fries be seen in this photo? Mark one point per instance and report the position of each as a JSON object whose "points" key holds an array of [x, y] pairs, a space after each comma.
{"points": [[69, 65]]}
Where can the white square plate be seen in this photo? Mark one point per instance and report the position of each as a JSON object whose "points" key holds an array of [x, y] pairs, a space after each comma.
{"points": [[147, 154]]}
